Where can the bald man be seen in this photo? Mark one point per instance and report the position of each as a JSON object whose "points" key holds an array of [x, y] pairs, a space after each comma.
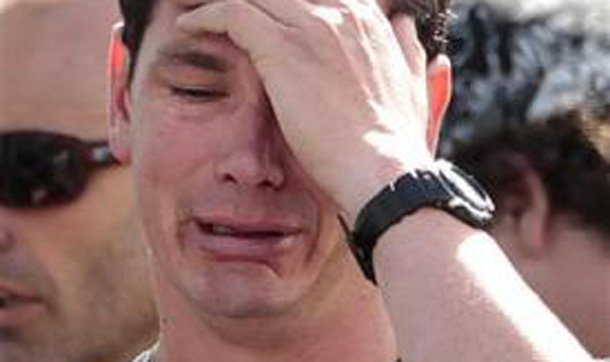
{"points": [[73, 278]]}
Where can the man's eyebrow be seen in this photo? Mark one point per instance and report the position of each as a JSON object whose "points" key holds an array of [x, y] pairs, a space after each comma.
{"points": [[195, 58]]}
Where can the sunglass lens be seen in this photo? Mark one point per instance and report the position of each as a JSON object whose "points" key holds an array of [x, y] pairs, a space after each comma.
{"points": [[39, 170]]}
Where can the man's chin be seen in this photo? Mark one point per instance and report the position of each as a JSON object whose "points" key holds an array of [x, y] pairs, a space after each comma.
{"points": [[248, 296], [251, 309]]}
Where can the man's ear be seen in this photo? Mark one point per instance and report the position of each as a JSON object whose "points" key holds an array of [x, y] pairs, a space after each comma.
{"points": [[439, 81], [526, 206], [119, 119]]}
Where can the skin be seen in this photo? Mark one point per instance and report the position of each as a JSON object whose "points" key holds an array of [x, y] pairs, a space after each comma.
{"points": [[270, 142], [565, 261], [248, 179], [84, 262]]}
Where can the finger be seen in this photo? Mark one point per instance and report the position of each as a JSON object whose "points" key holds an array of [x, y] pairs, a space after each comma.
{"points": [[415, 56], [414, 52], [287, 12], [376, 6], [246, 25]]}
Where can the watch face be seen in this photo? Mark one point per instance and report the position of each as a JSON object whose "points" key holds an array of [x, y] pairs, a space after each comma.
{"points": [[468, 191], [441, 185]]}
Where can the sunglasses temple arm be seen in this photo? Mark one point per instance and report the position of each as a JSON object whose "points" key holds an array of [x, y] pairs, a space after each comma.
{"points": [[100, 155]]}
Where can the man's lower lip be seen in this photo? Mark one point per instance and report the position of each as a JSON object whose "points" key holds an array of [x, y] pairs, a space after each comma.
{"points": [[19, 313], [227, 248]]}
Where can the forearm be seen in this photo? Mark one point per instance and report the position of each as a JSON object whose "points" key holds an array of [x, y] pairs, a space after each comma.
{"points": [[453, 296]]}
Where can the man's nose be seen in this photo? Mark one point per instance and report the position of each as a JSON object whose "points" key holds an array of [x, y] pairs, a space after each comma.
{"points": [[256, 151]]}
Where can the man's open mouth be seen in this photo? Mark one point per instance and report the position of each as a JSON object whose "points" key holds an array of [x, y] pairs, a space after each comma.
{"points": [[242, 232], [18, 306], [12, 301], [234, 240]]}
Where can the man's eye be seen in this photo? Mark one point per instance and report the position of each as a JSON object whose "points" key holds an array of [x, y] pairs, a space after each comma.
{"points": [[196, 94]]}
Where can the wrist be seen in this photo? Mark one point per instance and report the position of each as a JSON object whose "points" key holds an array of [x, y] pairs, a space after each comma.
{"points": [[369, 178], [440, 185]]}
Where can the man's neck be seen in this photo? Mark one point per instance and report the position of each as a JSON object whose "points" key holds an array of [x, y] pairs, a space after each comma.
{"points": [[353, 327]]}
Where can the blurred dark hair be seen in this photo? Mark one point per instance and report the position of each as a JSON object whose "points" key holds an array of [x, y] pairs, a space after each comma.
{"points": [[532, 95], [431, 19], [574, 173]]}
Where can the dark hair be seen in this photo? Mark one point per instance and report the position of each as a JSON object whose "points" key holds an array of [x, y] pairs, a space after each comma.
{"points": [[136, 17], [431, 19], [531, 95], [575, 175]]}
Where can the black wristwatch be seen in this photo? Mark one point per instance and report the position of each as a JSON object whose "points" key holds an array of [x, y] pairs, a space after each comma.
{"points": [[441, 185]]}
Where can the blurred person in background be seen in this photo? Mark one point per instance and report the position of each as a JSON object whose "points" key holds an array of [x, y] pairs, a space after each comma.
{"points": [[74, 283], [531, 121]]}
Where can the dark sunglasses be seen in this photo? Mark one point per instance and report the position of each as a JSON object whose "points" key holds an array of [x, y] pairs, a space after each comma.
{"points": [[42, 169]]}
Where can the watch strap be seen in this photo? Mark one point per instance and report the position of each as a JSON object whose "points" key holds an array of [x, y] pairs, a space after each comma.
{"points": [[388, 207], [441, 185]]}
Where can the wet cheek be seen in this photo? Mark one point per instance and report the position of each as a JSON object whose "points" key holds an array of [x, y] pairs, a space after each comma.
{"points": [[330, 232], [171, 150], [162, 143]]}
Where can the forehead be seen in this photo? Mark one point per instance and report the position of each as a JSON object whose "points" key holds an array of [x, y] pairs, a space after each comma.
{"points": [[162, 24], [166, 11], [52, 68]]}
